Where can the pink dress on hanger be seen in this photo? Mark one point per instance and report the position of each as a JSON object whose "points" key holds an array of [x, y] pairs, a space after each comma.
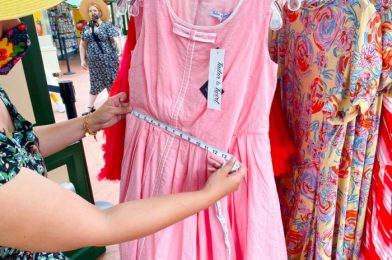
{"points": [[170, 64]]}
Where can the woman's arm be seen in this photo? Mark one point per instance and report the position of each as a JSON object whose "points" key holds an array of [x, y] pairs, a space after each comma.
{"points": [[82, 49], [116, 42], [55, 137], [116, 45], [39, 215]]}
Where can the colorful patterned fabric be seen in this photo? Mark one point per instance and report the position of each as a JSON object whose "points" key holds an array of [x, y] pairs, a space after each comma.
{"points": [[376, 243], [329, 54], [15, 254], [384, 7], [20, 149], [377, 238], [13, 45]]}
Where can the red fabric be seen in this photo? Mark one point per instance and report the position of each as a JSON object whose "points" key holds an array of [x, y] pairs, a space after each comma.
{"points": [[376, 245], [282, 145], [376, 239], [114, 146]]}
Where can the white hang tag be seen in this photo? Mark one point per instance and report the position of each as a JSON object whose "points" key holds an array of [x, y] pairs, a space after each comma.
{"points": [[215, 78], [122, 6], [276, 21], [294, 5]]}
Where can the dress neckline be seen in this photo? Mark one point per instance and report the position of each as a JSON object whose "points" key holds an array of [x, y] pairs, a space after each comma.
{"points": [[202, 27]]}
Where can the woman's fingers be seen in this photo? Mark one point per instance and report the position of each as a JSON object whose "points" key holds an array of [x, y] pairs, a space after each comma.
{"points": [[228, 166], [214, 163]]}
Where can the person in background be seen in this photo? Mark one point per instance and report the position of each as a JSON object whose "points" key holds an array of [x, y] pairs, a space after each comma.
{"points": [[100, 44], [38, 215]]}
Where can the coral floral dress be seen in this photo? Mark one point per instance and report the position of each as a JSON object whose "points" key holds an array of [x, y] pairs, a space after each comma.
{"points": [[330, 62], [377, 237]]}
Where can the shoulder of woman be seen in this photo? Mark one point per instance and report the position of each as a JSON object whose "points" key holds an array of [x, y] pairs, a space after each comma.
{"points": [[109, 24], [85, 27]]}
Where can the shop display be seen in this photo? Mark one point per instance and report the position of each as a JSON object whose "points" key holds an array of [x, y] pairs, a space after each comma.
{"points": [[169, 85], [62, 26], [377, 235], [376, 241], [330, 65], [332, 83]]}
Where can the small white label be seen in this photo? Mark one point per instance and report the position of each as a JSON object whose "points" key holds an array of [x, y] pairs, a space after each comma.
{"points": [[217, 62], [220, 16]]}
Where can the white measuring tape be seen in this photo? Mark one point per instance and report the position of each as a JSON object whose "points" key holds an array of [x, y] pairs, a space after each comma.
{"points": [[204, 146], [187, 137]]}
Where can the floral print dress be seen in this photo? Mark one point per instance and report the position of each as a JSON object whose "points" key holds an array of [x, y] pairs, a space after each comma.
{"points": [[330, 63], [376, 241], [17, 150], [101, 55]]}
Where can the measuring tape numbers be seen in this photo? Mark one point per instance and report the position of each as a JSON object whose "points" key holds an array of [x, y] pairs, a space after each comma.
{"points": [[186, 137]]}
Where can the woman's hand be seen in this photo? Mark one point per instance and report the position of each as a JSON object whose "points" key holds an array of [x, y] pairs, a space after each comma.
{"points": [[55, 137], [114, 109], [221, 183], [213, 165], [84, 65]]}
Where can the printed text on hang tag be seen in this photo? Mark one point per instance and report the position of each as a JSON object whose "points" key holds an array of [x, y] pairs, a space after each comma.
{"points": [[215, 78]]}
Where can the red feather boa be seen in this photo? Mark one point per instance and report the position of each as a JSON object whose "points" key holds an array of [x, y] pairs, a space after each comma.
{"points": [[113, 148]]}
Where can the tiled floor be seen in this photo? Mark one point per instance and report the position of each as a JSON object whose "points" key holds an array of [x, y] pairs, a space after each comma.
{"points": [[103, 190]]}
